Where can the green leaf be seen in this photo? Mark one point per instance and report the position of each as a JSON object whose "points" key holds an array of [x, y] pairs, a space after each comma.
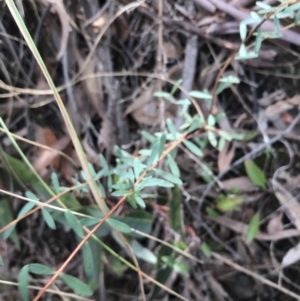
{"points": [[169, 177], [139, 200], [212, 138], [142, 252], [171, 128], [23, 283], [153, 156], [206, 250], [55, 182], [119, 226], [76, 285], [163, 271], [89, 221], [175, 214], [211, 212], [165, 95], [193, 148], [21, 170], [258, 41], [243, 31], [173, 166], [255, 174], [48, 219], [221, 144], [40, 269], [211, 121], [6, 217], [180, 266], [88, 259], [26, 208], [201, 95], [253, 227], [152, 182], [137, 167], [228, 203], [74, 223], [1, 261], [31, 196], [139, 220], [176, 85]]}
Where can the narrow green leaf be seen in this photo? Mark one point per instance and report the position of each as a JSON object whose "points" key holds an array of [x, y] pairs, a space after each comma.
{"points": [[87, 259], [1, 261], [102, 190], [162, 143], [243, 31], [153, 156], [23, 283], [137, 167], [6, 216], [119, 226], [206, 250], [201, 95], [31, 196], [74, 223], [55, 182], [211, 212], [40, 269], [193, 148], [48, 219], [258, 41], [26, 208], [176, 85], [211, 121], [221, 144], [175, 214], [212, 138], [139, 200], [180, 266], [165, 95], [173, 166], [169, 177], [228, 203], [152, 182], [76, 285], [255, 174], [171, 128], [89, 221], [142, 252], [253, 227]]}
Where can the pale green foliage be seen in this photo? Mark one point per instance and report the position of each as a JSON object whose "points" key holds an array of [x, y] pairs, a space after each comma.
{"points": [[287, 9]]}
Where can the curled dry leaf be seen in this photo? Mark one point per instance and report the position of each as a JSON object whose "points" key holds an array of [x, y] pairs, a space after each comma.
{"points": [[225, 156], [289, 203], [243, 184], [144, 109], [48, 157], [242, 228], [275, 224], [292, 256], [59, 8], [92, 86]]}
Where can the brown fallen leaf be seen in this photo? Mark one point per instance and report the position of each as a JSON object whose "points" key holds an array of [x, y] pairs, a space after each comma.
{"points": [[288, 202], [243, 184], [225, 156], [47, 157], [92, 87], [242, 228], [275, 224], [59, 8]]}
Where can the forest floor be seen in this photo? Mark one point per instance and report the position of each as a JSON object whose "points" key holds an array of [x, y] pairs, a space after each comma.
{"points": [[126, 72]]}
